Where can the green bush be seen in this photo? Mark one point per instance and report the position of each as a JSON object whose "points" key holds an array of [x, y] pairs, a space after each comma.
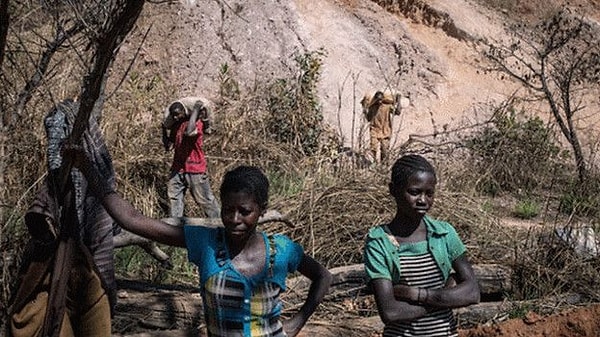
{"points": [[229, 88], [519, 310], [582, 202], [513, 153], [526, 209], [295, 115], [285, 183]]}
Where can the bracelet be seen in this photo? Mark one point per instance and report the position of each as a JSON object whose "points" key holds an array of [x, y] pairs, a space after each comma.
{"points": [[419, 295], [426, 295]]}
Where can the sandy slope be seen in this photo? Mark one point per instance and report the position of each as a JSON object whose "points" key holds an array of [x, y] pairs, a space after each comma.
{"points": [[363, 45], [444, 84], [190, 40]]}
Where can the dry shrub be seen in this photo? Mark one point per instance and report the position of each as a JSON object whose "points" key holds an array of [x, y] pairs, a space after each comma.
{"points": [[545, 266], [331, 221], [486, 238], [24, 171]]}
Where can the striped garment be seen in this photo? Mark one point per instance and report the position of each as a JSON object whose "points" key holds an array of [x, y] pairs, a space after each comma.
{"points": [[420, 270], [96, 225]]}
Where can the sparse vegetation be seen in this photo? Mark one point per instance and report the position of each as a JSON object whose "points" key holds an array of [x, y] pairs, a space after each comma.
{"points": [[295, 115], [526, 209], [519, 310], [581, 200], [558, 61], [513, 152]]}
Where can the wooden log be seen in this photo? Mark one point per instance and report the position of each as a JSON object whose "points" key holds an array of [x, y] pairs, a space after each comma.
{"points": [[154, 309], [177, 314], [351, 276], [126, 238], [487, 312], [165, 333], [493, 278], [177, 311]]}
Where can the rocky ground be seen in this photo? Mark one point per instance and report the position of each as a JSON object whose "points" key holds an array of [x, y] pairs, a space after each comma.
{"points": [[580, 322]]}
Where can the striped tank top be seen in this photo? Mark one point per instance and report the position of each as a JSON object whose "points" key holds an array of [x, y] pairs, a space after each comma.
{"points": [[418, 269]]}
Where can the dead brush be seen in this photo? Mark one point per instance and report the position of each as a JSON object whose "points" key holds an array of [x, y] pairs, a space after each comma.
{"points": [[23, 170], [546, 266], [486, 238], [331, 221]]}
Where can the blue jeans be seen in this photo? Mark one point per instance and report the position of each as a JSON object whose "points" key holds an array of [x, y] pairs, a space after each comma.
{"points": [[199, 186]]}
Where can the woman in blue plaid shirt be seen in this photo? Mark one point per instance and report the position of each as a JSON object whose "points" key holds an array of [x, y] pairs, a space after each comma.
{"points": [[242, 270]]}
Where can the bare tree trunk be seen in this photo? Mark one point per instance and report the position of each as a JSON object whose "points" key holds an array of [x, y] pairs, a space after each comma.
{"points": [[578, 154], [106, 47], [4, 20], [3, 140], [567, 127]]}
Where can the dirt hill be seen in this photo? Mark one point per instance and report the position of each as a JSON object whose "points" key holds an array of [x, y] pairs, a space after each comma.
{"points": [[423, 49]]}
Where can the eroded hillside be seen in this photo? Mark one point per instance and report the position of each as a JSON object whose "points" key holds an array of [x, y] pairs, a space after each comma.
{"points": [[423, 49]]}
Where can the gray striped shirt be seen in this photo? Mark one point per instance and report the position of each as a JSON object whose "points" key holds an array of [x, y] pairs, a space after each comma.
{"points": [[418, 269]]}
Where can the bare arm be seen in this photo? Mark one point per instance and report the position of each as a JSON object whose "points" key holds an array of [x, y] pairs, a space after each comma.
{"points": [[124, 213], [464, 293], [132, 220], [191, 129], [392, 309], [410, 302], [206, 117], [387, 101], [166, 138], [321, 279]]}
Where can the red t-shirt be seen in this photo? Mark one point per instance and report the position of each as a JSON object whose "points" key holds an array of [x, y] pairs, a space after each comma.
{"points": [[189, 157]]}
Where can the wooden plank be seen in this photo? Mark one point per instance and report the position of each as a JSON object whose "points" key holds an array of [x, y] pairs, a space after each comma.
{"points": [[492, 278]]}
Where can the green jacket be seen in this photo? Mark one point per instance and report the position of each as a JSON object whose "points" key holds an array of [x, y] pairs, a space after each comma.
{"points": [[382, 258]]}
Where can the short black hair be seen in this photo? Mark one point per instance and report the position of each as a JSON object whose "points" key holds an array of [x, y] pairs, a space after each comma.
{"points": [[249, 179], [176, 107], [406, 166]]}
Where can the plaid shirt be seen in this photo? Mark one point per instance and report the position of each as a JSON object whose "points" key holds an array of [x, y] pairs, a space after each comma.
{"points": [[234, 304]]}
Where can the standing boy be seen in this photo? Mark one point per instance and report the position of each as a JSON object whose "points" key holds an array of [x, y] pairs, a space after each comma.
{"points": [[186, 121]]}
